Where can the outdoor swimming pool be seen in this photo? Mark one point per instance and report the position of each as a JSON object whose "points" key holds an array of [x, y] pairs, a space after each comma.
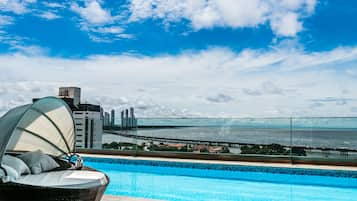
{"points": [[177, 181]]}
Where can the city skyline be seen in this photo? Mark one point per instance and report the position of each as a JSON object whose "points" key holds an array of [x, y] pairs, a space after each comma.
{"points": [[184, 58]]}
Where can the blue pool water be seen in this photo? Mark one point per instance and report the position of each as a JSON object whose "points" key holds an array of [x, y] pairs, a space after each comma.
{"points": [[186, 182]]}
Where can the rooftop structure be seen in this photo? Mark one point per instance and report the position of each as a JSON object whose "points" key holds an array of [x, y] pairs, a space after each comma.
{"points": [[71, 92]]}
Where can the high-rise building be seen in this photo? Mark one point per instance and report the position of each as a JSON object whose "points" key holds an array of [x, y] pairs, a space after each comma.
{"points": [[112, 118], [106, 119], [132, 118], [122, 118], [89, 126], [87, 118], [127, 118], [128, 121]]}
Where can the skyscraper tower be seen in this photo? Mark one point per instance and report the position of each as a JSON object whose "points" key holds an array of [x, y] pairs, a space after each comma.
{"points": [[106, 119], [122, 119], [132, 118], [112, 120]]}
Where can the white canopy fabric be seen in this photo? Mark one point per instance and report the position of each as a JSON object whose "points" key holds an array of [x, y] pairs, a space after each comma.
{"points": [[45, 125]]}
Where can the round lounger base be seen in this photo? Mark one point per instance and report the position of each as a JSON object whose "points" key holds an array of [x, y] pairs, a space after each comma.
{"points": [[19, 192]]}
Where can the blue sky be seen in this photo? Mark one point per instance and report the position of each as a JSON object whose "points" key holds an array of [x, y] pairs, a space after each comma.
{"points": [[184, 57]]}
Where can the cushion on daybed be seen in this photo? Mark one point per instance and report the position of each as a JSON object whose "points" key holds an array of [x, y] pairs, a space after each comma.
{"points": [[69, 179], [12, 174], [38, 162], [16, 163]]}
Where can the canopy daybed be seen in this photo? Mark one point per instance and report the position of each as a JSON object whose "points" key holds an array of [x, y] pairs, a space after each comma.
{"points": [[37, 136]]}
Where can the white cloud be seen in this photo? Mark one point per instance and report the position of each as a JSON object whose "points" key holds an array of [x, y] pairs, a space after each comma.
{"points": [[7, 10], [337, 101], [5, 20], [93, 12], [53, 5], [29, 50], [48, 15], [11, 6], [284, 16], [352, 72], [112, 33], [354, 109], [100, 24], [220, 98], [106, 34], [266, 88], [286, 24], [250, 83], [15, 42], [13, 93], [15, 6], [113, 29], [310, 5]]}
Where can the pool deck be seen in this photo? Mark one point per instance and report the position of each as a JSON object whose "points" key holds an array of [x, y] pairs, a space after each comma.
{"points": [[123, 198], [265, 164]]}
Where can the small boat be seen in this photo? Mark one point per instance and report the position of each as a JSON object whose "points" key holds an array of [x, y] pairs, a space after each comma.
{"points": [[45, 129]]}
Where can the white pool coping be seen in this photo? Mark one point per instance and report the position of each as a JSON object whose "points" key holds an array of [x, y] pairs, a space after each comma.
{"points": [[242, 163]]}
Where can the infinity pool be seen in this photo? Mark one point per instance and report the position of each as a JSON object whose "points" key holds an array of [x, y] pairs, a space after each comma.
{"points": [[207, 182]]}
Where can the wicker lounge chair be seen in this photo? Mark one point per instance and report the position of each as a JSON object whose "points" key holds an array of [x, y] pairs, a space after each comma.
{"points": [[46, 125]]}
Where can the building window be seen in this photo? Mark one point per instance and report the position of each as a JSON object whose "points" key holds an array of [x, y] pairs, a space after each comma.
{"points": [[79, 124], [79, 129], [86, 133], [91, 132]]}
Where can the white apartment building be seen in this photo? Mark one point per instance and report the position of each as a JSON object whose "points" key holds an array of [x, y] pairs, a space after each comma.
{"points": [[89, 129]]}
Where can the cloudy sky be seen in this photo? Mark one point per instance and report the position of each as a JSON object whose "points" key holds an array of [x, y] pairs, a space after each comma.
{"points": [[233, 58]]}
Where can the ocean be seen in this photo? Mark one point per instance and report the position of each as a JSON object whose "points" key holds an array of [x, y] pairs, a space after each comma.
{"points": [[329, 132]]}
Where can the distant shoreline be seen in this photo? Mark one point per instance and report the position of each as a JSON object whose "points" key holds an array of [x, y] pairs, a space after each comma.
{"points": [[225, 143], [145, 127], [162, 127]]}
